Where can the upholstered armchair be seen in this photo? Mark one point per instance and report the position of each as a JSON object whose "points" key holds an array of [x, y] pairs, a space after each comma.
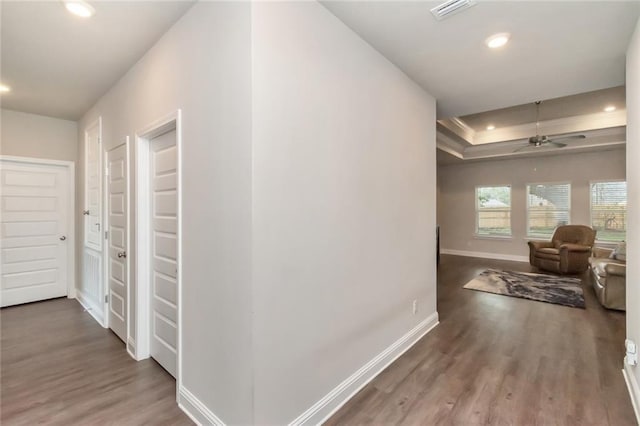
{"points": [[568, 251]]}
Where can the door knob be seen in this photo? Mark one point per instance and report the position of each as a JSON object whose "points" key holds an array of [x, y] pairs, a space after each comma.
{"points": [[122, 254], [63, 238]]}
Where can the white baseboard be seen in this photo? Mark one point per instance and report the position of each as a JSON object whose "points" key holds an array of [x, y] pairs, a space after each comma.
{"points": [[90, 307], [634, 389], [131, 348], [330, 403], [485, 255], [196, 410]]}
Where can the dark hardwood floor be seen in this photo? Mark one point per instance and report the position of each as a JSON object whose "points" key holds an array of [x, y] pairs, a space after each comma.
{"points": [[497, 360], [59, 367], [492, 360]]}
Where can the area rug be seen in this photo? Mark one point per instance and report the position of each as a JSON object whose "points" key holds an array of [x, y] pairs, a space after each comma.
{"points": [[543, 288]]}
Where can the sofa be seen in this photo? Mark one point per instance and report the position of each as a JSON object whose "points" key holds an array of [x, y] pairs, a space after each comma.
{"points": [[568, 251], [609, 276]]}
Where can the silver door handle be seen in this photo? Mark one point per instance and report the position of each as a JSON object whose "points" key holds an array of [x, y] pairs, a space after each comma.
{"points": [[122, 254], [63, 238]]}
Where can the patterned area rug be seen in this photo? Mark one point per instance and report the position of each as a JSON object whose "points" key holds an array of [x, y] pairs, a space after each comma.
{"points": [[544, 288]]}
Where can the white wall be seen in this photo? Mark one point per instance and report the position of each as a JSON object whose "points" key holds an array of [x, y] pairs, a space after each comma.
{"points": [[203, 66], [633, 204], [31, 135], [343, 205], [457, 183], [308, 200]]}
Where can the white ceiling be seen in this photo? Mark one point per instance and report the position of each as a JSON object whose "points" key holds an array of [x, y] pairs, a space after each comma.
{"points": [[59, 65], [557, 48]]}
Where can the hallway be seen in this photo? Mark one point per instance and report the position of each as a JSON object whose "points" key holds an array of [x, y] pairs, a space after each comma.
{"points": [[59, 367]]}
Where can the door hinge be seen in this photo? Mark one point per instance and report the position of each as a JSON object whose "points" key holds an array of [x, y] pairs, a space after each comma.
{"points": [[106, 235], [106, 298]]}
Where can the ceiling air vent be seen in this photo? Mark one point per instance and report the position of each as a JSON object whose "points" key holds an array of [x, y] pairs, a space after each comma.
{"points": [[451, 7]]}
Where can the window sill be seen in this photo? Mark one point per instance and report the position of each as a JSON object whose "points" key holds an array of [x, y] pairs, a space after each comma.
{"points": [[537, 238], [607, 243], [493, 237]]}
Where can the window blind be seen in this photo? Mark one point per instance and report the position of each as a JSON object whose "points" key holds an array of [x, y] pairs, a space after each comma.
{"points": [[548, 206]]}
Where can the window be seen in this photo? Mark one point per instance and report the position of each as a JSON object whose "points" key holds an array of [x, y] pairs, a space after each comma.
{"points": [[548, 206], [493, 210], [609, 210]]}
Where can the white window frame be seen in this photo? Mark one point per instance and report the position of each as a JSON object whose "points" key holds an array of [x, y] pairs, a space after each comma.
{"points": [[526, 189], [477, 211], [591, 182]]}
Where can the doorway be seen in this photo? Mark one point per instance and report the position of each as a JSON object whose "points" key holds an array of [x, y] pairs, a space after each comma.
{"points": [[158, 256], [37, 229]]}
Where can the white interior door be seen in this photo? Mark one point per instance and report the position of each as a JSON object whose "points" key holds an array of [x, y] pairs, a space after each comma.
{"points": [[163, 259], [93, 186], [34, 208], [117, 240]]}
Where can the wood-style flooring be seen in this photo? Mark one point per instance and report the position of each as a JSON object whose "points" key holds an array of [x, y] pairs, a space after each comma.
{"points": [[498, 360], [493, 360], [59, 367]]}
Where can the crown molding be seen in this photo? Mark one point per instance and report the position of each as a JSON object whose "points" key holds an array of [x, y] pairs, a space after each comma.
{"points": [[599, 139], [581, 123], [559, 126]]}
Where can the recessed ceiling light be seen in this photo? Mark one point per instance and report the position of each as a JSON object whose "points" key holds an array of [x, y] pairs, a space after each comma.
{"points": [[491, 127], [497, 40], [79, 8], [4, 88], [609, 108]]}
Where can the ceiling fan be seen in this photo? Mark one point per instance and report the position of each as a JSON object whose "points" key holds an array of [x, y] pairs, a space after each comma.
{"points": [[538, 140]]}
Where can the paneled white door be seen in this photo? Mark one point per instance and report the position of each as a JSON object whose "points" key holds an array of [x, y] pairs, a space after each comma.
{"points": [[117, 240], [34, 208], [163, 259], [93, 188]]}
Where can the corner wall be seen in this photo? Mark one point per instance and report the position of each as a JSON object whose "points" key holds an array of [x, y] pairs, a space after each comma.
{"points": [[202, 65], [344, 181], [633, 207], [456, 198]]}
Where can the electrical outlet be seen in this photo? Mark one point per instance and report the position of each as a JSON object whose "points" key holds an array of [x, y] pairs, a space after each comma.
{"points": [[632, 352], [415, 306]]}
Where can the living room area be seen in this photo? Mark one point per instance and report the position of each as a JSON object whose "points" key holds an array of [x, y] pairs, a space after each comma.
{"points": [[526, 198], [542, 222]]}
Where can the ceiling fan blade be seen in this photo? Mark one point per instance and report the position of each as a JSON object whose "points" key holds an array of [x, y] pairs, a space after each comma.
{"points": [[556, 144], [562, 138]]}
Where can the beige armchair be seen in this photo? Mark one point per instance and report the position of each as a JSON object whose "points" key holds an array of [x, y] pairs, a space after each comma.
{"points": [[568, 251]]}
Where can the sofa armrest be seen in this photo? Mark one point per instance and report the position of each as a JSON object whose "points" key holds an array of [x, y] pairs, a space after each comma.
{"points": [[616, 269], [578, 248], [602, 252], [540, 244]]}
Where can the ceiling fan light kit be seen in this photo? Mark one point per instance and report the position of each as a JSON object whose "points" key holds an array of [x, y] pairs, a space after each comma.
{"points": [[539, 141]]}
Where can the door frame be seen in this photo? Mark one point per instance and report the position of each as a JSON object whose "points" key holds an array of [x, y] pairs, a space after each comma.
{"points": [[71, 206], [105, 255], [169, 122]]}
